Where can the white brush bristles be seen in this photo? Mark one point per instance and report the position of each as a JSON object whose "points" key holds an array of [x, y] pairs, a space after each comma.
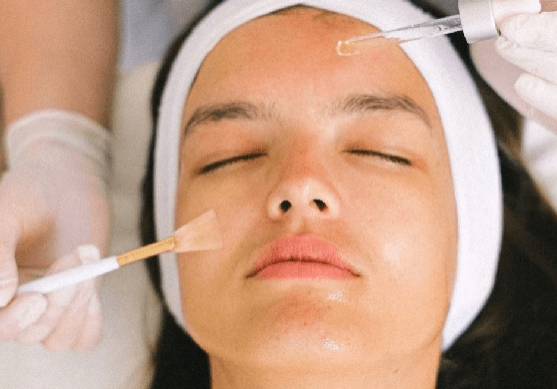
{"points": [[202, 233]]}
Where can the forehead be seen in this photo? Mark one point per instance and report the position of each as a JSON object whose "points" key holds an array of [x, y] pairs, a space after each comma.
{"points": [[295, 49]]}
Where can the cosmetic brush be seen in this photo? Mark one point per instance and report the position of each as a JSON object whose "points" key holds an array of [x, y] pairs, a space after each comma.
{"points": [[201, 233]]}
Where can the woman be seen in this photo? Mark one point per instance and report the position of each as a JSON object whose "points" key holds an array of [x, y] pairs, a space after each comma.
{"points": [[360, 206]]}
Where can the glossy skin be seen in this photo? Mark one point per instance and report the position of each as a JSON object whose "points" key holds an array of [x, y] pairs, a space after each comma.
{"points": [[375, 183]]}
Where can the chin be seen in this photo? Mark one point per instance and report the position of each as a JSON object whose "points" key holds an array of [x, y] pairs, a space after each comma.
{"points": [[291, 338], [289, 351]]}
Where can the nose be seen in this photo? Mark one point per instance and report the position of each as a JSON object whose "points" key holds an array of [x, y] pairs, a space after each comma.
{"points": [[302, 195]]}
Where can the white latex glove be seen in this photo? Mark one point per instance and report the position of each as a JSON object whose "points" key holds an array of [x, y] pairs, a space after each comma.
{"points": [[529, 41], [68, 319], [52, 199]]}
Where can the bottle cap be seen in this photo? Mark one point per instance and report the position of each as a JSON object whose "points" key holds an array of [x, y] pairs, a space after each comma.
{"points": [[478, 22]]}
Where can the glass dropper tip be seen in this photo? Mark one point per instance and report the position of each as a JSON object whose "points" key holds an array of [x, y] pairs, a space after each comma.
{"points": [[346, 48]]}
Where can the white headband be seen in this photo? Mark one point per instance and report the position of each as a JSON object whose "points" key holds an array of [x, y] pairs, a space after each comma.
{"points": [[469, 137]]}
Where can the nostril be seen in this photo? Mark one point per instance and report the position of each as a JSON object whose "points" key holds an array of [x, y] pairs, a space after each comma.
{"points": [[285, 205], [320, 204]]}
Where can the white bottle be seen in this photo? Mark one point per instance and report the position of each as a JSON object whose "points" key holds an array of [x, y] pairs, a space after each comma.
{"points": [[480, 18]]}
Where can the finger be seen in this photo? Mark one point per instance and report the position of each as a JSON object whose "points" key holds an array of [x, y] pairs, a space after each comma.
{"points": [[58, 303], [57, 306], [68, 330], [69, 326], [538, 93], [536, 31], [91, 334], [537, 62], [504, 9], [20, 314]]}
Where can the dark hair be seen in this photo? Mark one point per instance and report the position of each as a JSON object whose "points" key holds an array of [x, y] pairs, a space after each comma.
{"points": [[513, 341]]}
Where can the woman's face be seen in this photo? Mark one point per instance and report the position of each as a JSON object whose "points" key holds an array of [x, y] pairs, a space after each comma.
{"points": [[331, 182]]}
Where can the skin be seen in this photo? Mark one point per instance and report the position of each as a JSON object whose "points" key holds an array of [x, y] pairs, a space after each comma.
{"points": [[393, 219], [59, 55]]}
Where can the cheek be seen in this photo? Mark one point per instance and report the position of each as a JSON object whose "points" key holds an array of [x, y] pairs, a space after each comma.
{"points": [[236, 201], [408, 234], [210, 280], [413, 235]]}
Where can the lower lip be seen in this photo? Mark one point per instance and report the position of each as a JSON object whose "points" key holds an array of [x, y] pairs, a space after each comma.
{"points": [[297, 269]]}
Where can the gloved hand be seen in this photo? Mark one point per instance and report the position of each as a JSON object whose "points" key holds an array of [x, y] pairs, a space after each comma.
{"points": [[530, 42], [53, 198], [68, 319]]}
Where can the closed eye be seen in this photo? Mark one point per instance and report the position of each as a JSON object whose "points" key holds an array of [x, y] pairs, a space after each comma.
{"points": [[228, 161], [387, 157]]}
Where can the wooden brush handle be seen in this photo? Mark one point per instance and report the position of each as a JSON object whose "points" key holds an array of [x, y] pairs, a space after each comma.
{"points": [[147, 251]]}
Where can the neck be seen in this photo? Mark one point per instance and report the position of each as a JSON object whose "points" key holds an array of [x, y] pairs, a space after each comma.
{"points": [[418, 373]]}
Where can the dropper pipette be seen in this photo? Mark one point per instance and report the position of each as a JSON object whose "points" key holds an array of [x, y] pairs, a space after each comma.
{"points": [[475, 18], [406, 34]]}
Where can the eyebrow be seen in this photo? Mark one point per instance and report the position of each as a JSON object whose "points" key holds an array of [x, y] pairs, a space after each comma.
{"points": [[355, 103], [218, 112], [361, 103]]}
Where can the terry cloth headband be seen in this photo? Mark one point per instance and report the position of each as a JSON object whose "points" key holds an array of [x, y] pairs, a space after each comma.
{"points": [[468, 133]]}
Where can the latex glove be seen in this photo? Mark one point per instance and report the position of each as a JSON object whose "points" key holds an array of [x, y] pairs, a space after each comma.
{"points": [[52, 199], [529, 41], [68, 319]]}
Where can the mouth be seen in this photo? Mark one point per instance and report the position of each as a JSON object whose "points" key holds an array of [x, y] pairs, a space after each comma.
{"points": [[301, 256]]}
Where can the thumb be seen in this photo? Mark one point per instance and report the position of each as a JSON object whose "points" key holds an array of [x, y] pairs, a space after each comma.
{"points": [[535, 31], [26, 226]]}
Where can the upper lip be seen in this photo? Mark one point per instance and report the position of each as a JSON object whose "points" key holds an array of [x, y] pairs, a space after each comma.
{"points": [[300, 248]]}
